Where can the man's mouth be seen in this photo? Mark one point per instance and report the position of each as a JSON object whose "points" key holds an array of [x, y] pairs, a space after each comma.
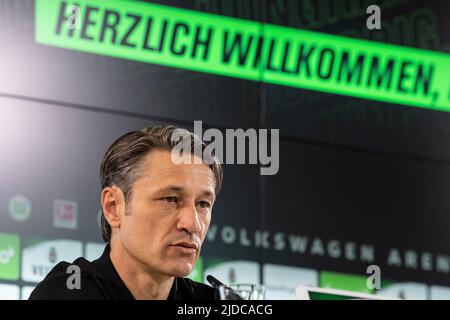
{"points": [[186, 246]]}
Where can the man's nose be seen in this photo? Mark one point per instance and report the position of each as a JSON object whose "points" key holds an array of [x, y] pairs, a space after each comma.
{"points": [[189, 219]]}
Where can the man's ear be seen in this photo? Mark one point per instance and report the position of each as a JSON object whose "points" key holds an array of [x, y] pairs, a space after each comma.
{"points": [[113, 204]]}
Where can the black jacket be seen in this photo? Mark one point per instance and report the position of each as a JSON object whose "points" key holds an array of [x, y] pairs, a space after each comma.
{"points": [[100, 281]]}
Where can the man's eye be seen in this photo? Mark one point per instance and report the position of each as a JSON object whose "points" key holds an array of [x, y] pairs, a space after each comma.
{"points": [[204, 204], [171, 199]]}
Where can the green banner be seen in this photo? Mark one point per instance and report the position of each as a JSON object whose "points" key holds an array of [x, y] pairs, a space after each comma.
{"points": [[343, 281], [9, 256], [250, 50]]}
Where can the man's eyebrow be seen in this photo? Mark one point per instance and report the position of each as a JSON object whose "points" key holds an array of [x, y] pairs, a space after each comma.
{"points": [[208, 193], [173, 188]]}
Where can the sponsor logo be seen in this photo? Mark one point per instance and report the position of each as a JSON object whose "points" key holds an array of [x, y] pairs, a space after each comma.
{"points": [[19, 208], [38, 259], [281, 281], [65, 214], [9, 292], [9, 256], [238, 271]]}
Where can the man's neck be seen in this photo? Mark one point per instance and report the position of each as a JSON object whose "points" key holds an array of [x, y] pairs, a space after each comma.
{"points": [[143, 284]]}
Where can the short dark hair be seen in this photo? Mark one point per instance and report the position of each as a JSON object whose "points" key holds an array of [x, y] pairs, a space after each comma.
{"points": [[121, 163]]}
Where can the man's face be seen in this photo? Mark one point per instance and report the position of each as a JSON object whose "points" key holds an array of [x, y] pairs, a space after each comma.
{"points": [[170, 212]]}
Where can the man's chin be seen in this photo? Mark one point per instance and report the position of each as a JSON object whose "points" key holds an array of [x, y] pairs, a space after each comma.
{"points": [[182, 272], [181, 268]]}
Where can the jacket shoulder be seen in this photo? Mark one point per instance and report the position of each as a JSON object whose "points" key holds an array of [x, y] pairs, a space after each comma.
{"points": [[69, 281]]}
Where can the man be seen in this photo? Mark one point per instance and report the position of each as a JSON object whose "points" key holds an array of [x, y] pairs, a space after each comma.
{"points": [[155, 217]]}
